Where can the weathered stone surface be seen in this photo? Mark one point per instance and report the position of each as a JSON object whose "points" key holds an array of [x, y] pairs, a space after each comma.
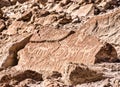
{"points": [[107, 53], [78, 73], [26, 16], [2, 25], [13, 2], [19, 27], [79, 31], [16, 78], [72, 7], [1, 13], [51, 83], [13, 28], [55, 47], [65, 1], [4, 3], [106, 27], [84, 11], [8, 52], [52, 75]]}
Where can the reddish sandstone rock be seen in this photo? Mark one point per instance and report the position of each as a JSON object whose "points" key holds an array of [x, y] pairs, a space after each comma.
{"points": [[105, 27], [54, 47]]}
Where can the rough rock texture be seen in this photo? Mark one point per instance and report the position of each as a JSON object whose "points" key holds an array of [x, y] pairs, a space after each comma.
{"points": [[77, 74], [39, 37], [9, 50], [58, 49], [2, 25], [66, 49], [15, 78]]}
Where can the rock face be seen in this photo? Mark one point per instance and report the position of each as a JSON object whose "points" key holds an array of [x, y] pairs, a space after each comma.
{"points": [[39, 37], [72, 48], [10, 50], [61, 48], [105, 27]]}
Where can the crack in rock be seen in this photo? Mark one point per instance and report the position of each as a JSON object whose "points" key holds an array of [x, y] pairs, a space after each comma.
{"points": [[42, 41]]}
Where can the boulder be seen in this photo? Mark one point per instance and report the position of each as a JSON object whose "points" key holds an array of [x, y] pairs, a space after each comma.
{"points": [[74, 74], [52, 48]]}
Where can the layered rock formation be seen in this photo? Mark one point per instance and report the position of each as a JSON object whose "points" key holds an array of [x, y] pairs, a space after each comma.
{"points": [[42, 36]]}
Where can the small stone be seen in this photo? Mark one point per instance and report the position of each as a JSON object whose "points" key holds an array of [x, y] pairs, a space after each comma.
{"points": [[76, 20], [2, 25], [54, 74], [65, 1], [44, 13], [26, 16], [65, 20], [1, 13], [13, 2]]}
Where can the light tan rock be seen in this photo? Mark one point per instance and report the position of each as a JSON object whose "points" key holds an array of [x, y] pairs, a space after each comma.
{"points": [[106, 27], [79, 1], [86, 10], [72, 7], [57, 8], [13, 28], [65, 1], [19, 27], [51, 1], [51, 83]]}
